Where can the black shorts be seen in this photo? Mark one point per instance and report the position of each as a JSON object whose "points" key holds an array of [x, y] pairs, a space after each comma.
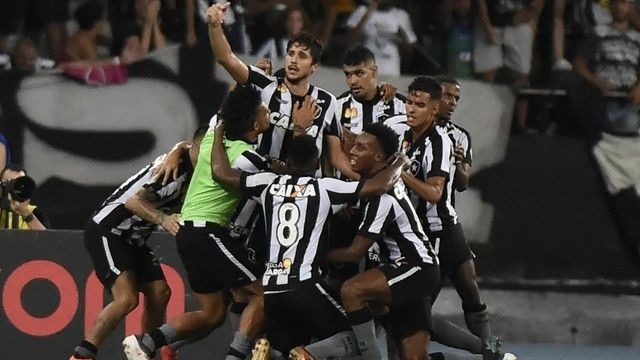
{"points": [[294, 317], [257, 244], [212, 259], [411, 290], [111, 254], [451, 247]]}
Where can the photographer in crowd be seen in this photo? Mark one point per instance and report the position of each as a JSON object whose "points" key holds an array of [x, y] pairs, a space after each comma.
{"points": [[16, 210]]}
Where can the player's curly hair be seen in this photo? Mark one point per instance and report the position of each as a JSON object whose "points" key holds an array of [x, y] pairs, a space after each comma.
{"points": [[303, 154], [239, 111], [427, 84], [387, 138], [305, 39]]}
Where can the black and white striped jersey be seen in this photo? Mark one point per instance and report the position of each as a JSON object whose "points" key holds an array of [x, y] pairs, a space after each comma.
{"points": [[295, 211], [275, 141], [356, 115], [459, 136], [430, 155], [112, 216], [393, 223]]}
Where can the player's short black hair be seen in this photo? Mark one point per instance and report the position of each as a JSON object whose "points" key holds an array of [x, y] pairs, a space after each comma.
{"points": [[310, 41], [88, 14], [448, 79], [426, 84], [387, 138], [357, 55], [303, 153], [238, 111]]}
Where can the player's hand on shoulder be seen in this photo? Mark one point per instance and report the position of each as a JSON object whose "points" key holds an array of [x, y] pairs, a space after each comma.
{"points": [[387, 91], [265, 65]]}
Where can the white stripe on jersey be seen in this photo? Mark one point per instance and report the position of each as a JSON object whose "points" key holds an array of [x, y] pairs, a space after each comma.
{"points": [[401, 277]]}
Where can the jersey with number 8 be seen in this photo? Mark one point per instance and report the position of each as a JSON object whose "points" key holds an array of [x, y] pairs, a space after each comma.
{"points": [[295, 211]]}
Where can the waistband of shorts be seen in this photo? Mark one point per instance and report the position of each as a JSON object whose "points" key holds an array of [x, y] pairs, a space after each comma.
{"points": [[199, 223]]}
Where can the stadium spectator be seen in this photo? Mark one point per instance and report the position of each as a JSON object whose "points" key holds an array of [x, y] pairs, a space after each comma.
{"points": [[15, 214], [609, 60], [264, 18], [25, 59], [136, 28], [32, 18], [386, 30], [83, 44], [116, 237], [276, 47], [503, 36], [458, 25]]}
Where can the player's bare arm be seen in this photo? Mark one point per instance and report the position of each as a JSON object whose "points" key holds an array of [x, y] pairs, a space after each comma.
{"points": [[220, 46], [430, 189], [220, 167], [353, 253], [384, 180], [141, 204]]}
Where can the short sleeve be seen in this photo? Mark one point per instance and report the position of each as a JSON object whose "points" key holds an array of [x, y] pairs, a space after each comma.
{"points": [[339, 191], [259, 78], [441, 160], [252, 185], [331, 122], [250, 161]]}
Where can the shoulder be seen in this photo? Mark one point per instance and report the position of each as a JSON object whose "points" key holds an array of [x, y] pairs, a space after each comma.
{"points": [[601, 30], [344, 96]]}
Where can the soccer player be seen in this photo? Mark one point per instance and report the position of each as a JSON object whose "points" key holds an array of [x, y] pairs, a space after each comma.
{"points": [[409, 273], [298, 305], [283, 94], [213, 261], [115, 237], [456, 257]]}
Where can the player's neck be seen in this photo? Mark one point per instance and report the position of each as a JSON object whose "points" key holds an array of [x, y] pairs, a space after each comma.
{"points": [[418, 131], [375, 168], [299, 88]]}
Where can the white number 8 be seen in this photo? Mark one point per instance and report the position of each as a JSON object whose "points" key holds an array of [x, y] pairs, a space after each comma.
{"points": [[287, 231]]}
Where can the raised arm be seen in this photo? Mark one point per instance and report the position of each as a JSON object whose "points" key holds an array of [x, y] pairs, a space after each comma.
{"points": [[171, 163], [353, 253], [220, 46], [221, 170], [141, 204], [384, 180]]}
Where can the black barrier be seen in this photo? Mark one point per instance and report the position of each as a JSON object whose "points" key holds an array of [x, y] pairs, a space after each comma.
{"points": [[50, 297]]}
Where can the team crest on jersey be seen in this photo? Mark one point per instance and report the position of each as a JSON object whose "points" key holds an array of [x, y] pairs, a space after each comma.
{"points": [[279, 268], [414, 167], [288, 190], [350, 112]]}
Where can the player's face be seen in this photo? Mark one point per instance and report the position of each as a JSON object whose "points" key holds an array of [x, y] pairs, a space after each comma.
{"points": [[361, 79], [262, 119], [449, 100], [365, 153], [421, 109], [621, 9], [298, 64]]}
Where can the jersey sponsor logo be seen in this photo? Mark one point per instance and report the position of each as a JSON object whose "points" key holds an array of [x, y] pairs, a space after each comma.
{"points": [[285, 190], [280, 120], [383, 107], [350, 112], [279, 268]]}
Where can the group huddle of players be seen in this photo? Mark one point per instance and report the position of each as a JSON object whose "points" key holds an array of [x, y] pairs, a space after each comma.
{"points": [[273, 199]]}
